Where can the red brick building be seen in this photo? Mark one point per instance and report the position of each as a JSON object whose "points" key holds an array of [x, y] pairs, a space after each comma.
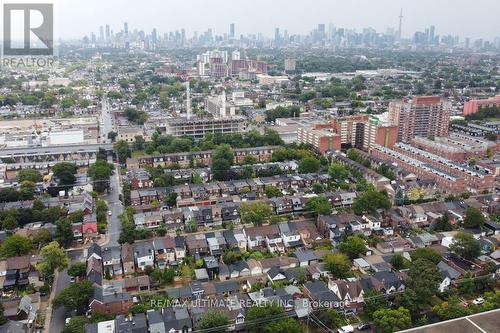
{"points": [[473, 106], [427, 116]]}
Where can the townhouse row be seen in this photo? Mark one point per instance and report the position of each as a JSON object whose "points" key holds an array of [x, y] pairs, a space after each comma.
{"points": [[218, 212], [201, 158], [200, 194]]}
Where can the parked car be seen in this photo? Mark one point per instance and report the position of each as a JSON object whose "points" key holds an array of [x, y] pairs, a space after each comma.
{"points": [[478, 301], [364, 326], [110, 213], [346, 329]]}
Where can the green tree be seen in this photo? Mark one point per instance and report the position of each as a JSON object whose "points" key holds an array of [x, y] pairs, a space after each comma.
{"points": [[42, 237], [451, 309], [374, 300], [76, 325], [288, 325], [258, 312], [272, 191], [16, 245], [330, 317], [122, 151], [319, 205], [466, 246], [27, 190], [213, 319], [397, 261], [466, 284], [318, 188], [389, 320], [191, 225], [52, 257], [100, 172], [309, 164], [222, 159], [171, 199], [65, 172], [256, 213], [443, 223], [75, 297], [353, 246], [338, 173], [78, 269], [10, 222], [250, 159], [338, 264], [163, 276], [64, 232], [112, 136], [427, 254], [139, 142], [424, 278], [3, 320], [370, 201], [29, 175], [473, 218]]}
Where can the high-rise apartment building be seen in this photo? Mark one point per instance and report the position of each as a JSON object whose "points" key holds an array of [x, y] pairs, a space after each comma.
{"points": [[108, 34], [290, 65], [232, 31], [427, 116]]}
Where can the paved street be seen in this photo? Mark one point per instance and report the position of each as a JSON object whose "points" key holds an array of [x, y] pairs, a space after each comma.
{"points": [[116, 207], [63, 280], [106, 121]]}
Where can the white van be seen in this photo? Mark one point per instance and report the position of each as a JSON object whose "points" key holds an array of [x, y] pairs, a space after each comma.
{"points": [[346, 329]]}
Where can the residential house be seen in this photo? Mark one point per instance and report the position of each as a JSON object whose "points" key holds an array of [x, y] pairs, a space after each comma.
{"points": [[114, 303], [449, 275], [291, 237], [128, 259], [177, 320], [164, 251], [180, 248], [144, 255], [347, 291], [111, 260], [197, 244]]}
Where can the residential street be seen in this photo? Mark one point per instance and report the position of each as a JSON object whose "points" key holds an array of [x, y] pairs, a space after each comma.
{"points": [[62, 281], [116, 207]]}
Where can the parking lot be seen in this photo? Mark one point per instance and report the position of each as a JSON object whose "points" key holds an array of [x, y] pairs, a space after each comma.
{"points": [[486, 322]]}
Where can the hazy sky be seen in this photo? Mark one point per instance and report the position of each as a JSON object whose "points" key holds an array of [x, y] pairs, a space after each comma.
{"points": [[477, 18]]}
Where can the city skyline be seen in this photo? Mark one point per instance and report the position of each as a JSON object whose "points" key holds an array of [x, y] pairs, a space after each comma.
{"points": [[219, 14]]}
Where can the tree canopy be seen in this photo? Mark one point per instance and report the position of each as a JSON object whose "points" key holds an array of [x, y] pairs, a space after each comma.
{"points": [[52, 257], [392, 320], [370, 201], [75, 297], [338, 264], [65, 173], [473, 218], [466, 246], [256, 213], [16, 245], [319, 205], [353, 246], [213, 319], [31, 175]]}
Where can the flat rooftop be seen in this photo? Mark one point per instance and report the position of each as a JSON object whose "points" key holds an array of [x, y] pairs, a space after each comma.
{"points": [[486, 322]]}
